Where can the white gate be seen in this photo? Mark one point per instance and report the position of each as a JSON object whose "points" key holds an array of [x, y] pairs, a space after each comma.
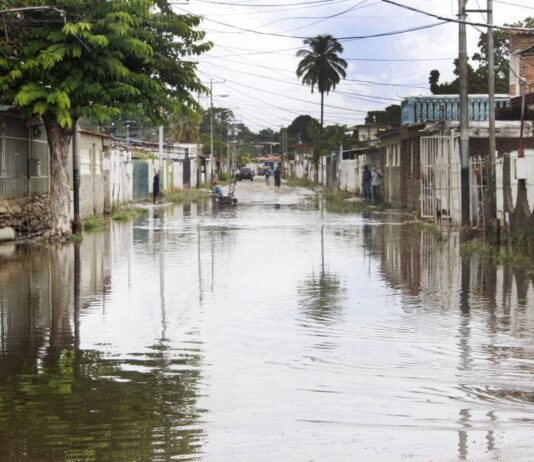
{"points": [[441, 179]]}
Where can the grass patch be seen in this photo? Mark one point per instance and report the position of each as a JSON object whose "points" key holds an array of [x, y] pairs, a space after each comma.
{"points": [[426, 226], [187, 196], [125, 213], [502, 254], [75, 238], [479, 248], [94, 223], [301, 182], [337, 202]]}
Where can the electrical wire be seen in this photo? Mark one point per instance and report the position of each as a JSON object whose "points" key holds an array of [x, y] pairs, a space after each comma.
{"points": [[459, 21], [357, 96]]}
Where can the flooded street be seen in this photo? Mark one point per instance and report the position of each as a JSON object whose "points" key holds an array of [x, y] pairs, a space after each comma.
{"points": [[269, 331]]}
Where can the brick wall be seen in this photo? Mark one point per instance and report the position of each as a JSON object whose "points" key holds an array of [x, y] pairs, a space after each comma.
{"points": [[524, 66]]}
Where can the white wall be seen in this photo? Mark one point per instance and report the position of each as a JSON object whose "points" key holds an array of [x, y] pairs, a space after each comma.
{"points": [[120, 175]]}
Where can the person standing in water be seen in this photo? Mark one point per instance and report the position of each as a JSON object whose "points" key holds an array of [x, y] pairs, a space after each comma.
{"points": [[277, 178], [155, 187]]}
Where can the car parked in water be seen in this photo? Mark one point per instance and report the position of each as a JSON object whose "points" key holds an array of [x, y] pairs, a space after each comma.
{"points": [[245, 173]]}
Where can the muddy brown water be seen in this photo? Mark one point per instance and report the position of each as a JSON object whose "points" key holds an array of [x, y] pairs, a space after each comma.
{"points": [[269, 331]]}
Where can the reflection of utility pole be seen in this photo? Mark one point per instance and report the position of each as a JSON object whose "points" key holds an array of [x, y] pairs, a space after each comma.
{"points": [[162, 279], [464, 114], [199, 256]]}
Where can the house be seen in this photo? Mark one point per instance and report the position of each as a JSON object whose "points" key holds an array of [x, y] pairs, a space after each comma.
{"points": [[521, 63], [419, 109], [440, 192], [368, 134]]}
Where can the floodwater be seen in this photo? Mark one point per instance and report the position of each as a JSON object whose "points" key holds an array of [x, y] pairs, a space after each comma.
{"points": [[269, 331]]}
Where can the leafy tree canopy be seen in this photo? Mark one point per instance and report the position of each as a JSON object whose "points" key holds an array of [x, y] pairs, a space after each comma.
{"points": [[478, 76], [66, 59], [297, 131], [390, 115], [96, 59]]}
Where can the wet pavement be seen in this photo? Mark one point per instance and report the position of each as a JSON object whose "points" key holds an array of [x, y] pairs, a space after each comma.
{"points": [[272, 330]]}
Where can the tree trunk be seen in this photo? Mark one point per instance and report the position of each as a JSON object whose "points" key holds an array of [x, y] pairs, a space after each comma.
{"points": [[322, 109], [58, 143]]}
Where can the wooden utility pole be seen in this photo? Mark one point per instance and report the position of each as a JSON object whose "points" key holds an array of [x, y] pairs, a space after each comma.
{"points": [[464, 114], [491, 209]]}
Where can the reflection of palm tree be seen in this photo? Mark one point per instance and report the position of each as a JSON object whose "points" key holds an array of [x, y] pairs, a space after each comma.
{"points": [[320, 293]]}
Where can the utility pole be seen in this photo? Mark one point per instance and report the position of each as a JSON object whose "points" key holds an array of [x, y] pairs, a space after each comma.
{"points": [[76, 224], [491, 210], [211, 128], [464, 114], [197, 158], [161, 154]]}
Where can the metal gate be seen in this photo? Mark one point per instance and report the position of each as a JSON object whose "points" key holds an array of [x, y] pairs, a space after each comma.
{"points": [[140, 180], [441, 179], [186, 173]]}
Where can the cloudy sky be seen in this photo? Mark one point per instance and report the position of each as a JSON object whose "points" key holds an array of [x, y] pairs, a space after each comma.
{"points": [[253, 61]]}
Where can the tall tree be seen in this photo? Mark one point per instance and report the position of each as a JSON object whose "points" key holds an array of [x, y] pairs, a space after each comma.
{"points": [[321, 65], [297, 130], [390, 115], [71, 58]]}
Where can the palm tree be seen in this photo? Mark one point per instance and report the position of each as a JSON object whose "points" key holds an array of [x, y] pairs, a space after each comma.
{"points": [[321, 65]]}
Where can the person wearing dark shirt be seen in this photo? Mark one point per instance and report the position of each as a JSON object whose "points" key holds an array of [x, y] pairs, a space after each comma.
{"points": [[155, 188], [277, 178]]}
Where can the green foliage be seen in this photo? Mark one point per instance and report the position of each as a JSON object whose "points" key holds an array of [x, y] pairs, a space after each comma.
{"points": [[188, 195], [298, 129], [478, 76], [94, 223], [105, 57], [344, 202], [320, 65], [300, 182], [96, 60], [390, 115], [126, 212], [224, 176]]}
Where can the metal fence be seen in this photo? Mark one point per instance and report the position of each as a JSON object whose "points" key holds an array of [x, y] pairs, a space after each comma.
{"points": [[20, 187], [441, 179], [24, 160]]}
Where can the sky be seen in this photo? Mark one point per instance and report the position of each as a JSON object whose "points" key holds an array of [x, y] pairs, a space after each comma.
{"points": [[253, 60]]}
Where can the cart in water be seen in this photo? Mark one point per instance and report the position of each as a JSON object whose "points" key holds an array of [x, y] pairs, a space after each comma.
{"points": [[225, 200]]}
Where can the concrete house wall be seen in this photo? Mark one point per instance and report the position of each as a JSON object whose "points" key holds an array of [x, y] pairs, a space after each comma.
{"points": [[391, 161]]}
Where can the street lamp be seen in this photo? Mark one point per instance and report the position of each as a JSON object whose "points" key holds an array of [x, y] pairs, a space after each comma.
{"points": [[211, 123]]}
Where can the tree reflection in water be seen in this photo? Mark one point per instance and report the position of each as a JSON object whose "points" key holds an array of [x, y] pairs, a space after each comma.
{"points": [[60, 402], [320, 293]]}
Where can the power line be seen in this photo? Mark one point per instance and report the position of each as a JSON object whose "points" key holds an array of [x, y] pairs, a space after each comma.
{"points": [[459, 21], [276, 5], [300, 37], [514, 4], [358, 96]]}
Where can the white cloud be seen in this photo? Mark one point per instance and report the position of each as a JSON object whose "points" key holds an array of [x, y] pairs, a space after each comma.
{"points": [[263, 87]]}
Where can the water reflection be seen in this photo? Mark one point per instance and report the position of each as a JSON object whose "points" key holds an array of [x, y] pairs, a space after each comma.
{"points": [[61, 399], [261, 331], [320, 292]]}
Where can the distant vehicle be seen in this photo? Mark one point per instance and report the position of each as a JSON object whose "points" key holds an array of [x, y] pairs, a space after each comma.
{"points": [[245, 173]]}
